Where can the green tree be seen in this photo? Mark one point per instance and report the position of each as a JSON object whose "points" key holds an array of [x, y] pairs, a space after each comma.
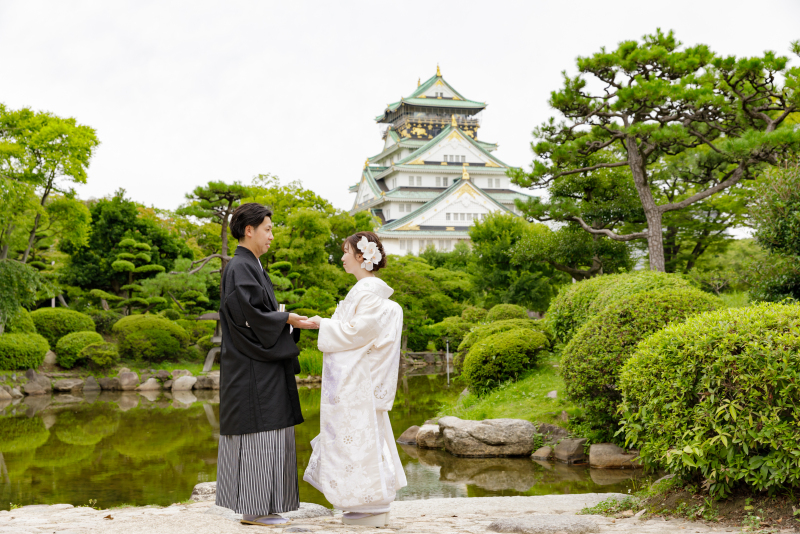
{"points": [[135, 260], [45, 151], [721, 120], [20, 285]]}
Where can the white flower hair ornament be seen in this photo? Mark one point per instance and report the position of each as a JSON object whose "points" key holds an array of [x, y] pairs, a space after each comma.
{"points": [[372, 256]]}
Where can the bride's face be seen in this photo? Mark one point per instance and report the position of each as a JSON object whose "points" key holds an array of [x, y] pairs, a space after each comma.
{"points": [[352, 264]]}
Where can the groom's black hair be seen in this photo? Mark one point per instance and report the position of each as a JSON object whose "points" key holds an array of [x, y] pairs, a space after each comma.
{"points": [[250, 214]]}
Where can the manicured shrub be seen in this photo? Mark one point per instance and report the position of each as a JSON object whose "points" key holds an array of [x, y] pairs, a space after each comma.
{"points": [[310, 362], [100, 355], [484, 331], [473, 314], [150, 345], [69, 347], [715, 399], [503, 312], [104, 320], [502, 357], [134, 323], [196, 329], [55, 323], [592, 360], [191, 354], [170, 314], [205, 344], [22, 351], [20, 323], [451, 328]]}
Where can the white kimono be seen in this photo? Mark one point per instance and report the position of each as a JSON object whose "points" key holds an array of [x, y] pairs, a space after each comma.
{"points": [[354, 462]]}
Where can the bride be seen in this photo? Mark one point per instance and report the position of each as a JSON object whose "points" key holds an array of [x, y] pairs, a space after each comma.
{"points": [[354, 462]]}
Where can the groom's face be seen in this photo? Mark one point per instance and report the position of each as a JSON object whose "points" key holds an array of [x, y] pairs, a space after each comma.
{"points": [[262, 236]]}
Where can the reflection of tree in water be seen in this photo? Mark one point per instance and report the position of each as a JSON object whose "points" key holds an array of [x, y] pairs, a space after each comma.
{"points": [[56, 453], [87, 427], [21, 433]]}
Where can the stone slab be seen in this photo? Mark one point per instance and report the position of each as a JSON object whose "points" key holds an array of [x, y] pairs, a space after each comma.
{"points": [[545, 524]]}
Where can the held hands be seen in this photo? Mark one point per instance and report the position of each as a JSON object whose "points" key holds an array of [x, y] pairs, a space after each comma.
{"points": [[316, 320], [301, 321]]}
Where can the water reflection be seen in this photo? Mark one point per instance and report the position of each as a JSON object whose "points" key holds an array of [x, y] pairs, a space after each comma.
{"points": [[153, 447]]}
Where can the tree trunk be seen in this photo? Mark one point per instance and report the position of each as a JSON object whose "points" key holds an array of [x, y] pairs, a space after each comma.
{"points": [[6, 234], [62, 301], [38, 218], [655, 241]]}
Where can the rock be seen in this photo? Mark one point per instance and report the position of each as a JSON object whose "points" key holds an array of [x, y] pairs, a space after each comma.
{"points": [[552, 394], [308, 511], [162, 375], [168, 384], [564, 416], [110, 384], [144, 377], [409, 437], [5, 395], [545, 524], [665, 477], [610, 456], [434, 421], [492, 437], [570, 451], [429, 437], [203, 382], [551, 433], [123, 370], [34, 388], [184, 383], [151, 394], [150, 385], [16, 393], [627, 513], [90, 384], [68, 384], [177, 373], [205, 491], [128, 401], [214, 381], [542, 453], [128, 381], [66, 398], [31, 375], [640, 513], [49, 419], [183, 398], [50, 359]]}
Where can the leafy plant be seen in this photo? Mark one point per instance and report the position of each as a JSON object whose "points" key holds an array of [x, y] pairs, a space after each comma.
{"points": [[150, 345], [22, 351], [55, 323], [502, 357], [502, 312], [69, 347], [100, 356], [310, 362], [473, 314]]}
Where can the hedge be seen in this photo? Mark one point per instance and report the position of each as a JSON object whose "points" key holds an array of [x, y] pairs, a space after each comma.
{"points": [[100, 355], [451, 328], [69, 347], [150, 345], [483, 331], [197, 329], [592, 360], [22, 351], [502, 312], [134, 323], [104, 320], [473, 314], [20, 323], [205, 344], [575, 304], [715, 399], [502, 357], [55, 323]]}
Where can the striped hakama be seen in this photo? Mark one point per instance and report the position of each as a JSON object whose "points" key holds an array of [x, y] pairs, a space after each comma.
{"points": [[257, 473]]}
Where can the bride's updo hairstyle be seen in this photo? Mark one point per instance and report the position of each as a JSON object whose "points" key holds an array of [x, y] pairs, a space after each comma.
{"points": [[371, 237]]}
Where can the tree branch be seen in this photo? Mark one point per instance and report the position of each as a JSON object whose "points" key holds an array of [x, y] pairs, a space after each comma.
{"points": [[609, 233], [736, 176], [203, 262]]}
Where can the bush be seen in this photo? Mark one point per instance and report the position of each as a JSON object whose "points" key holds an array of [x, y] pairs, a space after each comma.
{"points": [[418, 339], [484, 331], [150, 345], [55, 323], [310, 362], [191, 354], [715, 400], [100, 356], [205, 344], [104, 320], [592, 360], [197, 329], [502, 357], [134, 323], [20, 323], [578, 302], [69, 347], [22, 351], [473, 314], [502, 312], [170, 314], [451, 328]]}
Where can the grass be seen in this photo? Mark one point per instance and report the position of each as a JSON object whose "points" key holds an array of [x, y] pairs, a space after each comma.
{"points": [[525, 399], [310, 362], [193, 367]]}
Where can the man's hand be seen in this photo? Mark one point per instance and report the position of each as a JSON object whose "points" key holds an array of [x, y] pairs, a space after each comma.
{"points": [[301, 321]]}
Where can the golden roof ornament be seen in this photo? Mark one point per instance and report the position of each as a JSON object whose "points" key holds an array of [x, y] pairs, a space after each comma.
{"points": [[366, 163], [418, 81], [453, 122], [438, 72], [464, 173]]}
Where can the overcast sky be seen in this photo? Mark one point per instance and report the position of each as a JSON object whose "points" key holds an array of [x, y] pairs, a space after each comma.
{"points": [[181, 93]]}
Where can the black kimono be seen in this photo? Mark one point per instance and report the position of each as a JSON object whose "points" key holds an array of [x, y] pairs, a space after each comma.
{"points": [[259, 404]]}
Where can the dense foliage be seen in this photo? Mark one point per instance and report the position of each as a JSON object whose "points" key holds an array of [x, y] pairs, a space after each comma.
{"points": [[483, 331], [715, 400], [104, 320], [592, 360], [150, 338], [502, 357], [503, 312], [20, 323], [55, 323], [69, 347], [22, 351], [452, 330], [100, 356], [474, 314]]}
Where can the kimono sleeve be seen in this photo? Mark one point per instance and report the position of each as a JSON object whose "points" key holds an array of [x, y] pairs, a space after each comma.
{"points": [[248, 306], [359, 331]]}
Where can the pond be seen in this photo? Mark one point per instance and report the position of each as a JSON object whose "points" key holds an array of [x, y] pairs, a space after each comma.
{"points": [[137, 449]]}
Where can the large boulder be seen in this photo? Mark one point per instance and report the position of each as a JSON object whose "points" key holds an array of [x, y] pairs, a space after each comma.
{"points": [[610, 456], [551, 434], [204, 382], [110, 384], [91, 384], [184, 383], [177, 373], [34, 388], [162, 375], [151, 384], [204, 491], [429, 437], [409, 437], [67, 384], [571, 451], [128, 381], [492, 437], [5, 395]]}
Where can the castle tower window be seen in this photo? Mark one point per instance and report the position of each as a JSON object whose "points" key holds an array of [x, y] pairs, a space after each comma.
{"points": [[463, 159], [446, 216], [419, 181], [445, 159]]}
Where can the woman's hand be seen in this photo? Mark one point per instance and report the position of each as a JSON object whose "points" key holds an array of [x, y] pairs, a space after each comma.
{"points": [[316, 320], [301, 321]]}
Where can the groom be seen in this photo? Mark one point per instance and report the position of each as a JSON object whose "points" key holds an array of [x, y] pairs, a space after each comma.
{"points": [[259, 404]]}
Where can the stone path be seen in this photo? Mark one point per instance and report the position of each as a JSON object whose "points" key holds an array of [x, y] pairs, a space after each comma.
{"points": [[549, 514]]}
